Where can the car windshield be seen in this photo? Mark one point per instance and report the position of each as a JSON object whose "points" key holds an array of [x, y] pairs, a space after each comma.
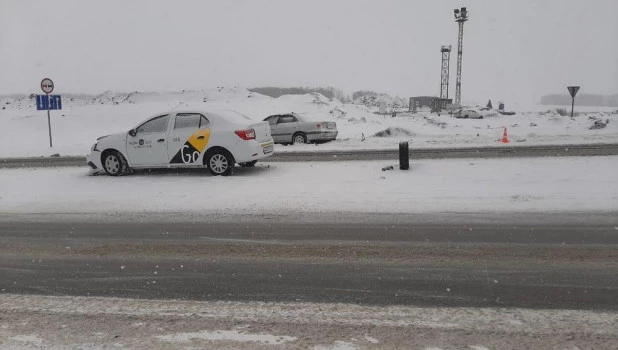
{"points": [[309, 174]]}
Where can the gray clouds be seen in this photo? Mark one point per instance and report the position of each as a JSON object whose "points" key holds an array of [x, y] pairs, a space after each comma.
{"points": [[512, 50]]}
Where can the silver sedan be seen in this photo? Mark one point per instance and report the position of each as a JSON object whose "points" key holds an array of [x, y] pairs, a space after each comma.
{"points": [[293, 128]]}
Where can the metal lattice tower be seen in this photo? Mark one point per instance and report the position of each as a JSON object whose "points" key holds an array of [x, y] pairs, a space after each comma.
{"points": [[446, 59], [461, 16]]}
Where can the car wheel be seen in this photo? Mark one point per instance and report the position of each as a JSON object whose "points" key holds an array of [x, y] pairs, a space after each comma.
{"points": [[114, 163], [220, 162], [248, 164], [299, 138]]}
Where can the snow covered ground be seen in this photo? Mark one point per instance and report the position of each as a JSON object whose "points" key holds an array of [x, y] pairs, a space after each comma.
{"points": [[462, 185], [45, 322], [23, 130]]}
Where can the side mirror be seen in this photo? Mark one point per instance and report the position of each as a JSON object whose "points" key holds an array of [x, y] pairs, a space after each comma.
{"points": [[133, 132]]}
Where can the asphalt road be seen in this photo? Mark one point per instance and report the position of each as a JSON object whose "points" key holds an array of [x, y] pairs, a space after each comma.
{"points": [[535, 262], [501, 151]]}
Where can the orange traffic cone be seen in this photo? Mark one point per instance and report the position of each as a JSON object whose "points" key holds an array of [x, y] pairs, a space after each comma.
{"points": [[505, 137]]}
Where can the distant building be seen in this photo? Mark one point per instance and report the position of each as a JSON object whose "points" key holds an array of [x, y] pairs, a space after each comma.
{"points": [[431, 102]]}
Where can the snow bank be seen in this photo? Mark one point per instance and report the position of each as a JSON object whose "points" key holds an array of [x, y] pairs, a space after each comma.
{"points": [[221, 335], [376, 99], [388, 132], [60, 322], [23, 130]]}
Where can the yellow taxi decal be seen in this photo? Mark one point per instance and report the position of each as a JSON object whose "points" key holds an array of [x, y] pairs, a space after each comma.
{"points": [[191, 150], [199, 139]]}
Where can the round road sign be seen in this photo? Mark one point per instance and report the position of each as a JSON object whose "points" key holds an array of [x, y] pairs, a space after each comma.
{"points": [[47, 85]]}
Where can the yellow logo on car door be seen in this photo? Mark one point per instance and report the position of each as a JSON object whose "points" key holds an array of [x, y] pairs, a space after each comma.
{"points": [[191, 150]]}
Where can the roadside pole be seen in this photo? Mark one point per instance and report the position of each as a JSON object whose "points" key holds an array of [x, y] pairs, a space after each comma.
{"points": [[49, 123], [404, 156], [47, 102], [573, 91]]}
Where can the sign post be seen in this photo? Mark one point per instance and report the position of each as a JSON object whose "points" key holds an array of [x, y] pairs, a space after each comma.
{"points": [[47, 85], [573, 91]]}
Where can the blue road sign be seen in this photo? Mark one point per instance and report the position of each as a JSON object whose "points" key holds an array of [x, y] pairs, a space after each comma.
{"points": [[55, 102], [42, 102], [48, 102]]}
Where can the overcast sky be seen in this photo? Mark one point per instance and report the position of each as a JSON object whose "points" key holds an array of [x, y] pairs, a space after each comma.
{"points": [[514, 51]]}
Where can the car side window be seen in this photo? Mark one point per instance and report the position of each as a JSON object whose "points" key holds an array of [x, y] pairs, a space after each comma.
{"points": [[273, 120], [204, 123], [157, 124], [287, 119], [187, 121]]}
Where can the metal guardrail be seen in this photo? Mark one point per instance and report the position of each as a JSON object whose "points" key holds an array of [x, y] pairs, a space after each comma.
{"points": [[466, 152], [415, 153], [34, 162]]}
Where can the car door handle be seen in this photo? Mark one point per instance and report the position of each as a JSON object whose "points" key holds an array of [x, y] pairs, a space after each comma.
{"points": [[161, 140], [200, 137]]}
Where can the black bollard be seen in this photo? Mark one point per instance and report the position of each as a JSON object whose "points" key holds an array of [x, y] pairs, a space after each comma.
{"points": [[404, 157]]}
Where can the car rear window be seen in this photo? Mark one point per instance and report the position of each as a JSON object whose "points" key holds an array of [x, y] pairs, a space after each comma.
{"points": [[287, 119], [187, 121]]}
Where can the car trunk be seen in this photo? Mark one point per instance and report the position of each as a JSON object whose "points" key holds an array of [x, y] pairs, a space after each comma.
{"points": [[262, 131]]}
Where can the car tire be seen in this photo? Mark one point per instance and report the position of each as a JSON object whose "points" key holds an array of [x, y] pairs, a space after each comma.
{"points": [[250, 164], [299, 137], [114, 163], [220, 162]]}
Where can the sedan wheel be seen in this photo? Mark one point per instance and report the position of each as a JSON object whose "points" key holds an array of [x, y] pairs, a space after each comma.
{"points": [[300, 138], [114, 164], [221, 163]]}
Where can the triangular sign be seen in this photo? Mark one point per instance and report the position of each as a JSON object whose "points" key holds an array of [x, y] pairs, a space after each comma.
{"points": [[573, 90]]}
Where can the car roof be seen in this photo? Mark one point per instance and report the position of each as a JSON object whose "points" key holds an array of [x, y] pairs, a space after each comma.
{"points": [[284, 114], [223, 114]]}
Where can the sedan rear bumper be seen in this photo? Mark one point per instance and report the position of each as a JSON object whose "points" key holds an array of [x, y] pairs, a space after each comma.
{"points": [[322, 135], [254, 150]]}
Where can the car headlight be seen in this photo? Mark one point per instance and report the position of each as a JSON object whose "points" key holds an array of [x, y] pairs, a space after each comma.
{"points": [[94, 147]]}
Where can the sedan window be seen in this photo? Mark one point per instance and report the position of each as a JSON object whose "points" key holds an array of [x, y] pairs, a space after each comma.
{"points": [[187, 121], [287, 119], [204, 123], [157, 124], [272, 120]]}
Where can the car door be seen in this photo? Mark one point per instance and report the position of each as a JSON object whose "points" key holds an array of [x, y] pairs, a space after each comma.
{"points": [[149, 145], [188, 137], [287, 125], [272, 122]]}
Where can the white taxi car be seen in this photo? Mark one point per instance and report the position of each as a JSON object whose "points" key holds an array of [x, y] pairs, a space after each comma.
{"points": [[213, 139]]}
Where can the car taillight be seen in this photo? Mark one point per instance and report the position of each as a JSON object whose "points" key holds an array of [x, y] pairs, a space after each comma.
{"points": [[318, 125], [248, 134]]}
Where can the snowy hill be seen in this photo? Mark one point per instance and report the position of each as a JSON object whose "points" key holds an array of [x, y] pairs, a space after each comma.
{"points": [[23, 129], [375, 99]]}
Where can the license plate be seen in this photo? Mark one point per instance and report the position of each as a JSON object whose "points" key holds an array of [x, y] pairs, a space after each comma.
{"points": [[268, 149]]}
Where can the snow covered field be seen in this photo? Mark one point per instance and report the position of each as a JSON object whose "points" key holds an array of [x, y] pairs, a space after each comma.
{"points": [[463, 185], [23, 130]]}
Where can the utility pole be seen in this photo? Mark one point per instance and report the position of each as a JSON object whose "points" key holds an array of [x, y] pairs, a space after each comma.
{"points": [[446, 58], [461, 16]]}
